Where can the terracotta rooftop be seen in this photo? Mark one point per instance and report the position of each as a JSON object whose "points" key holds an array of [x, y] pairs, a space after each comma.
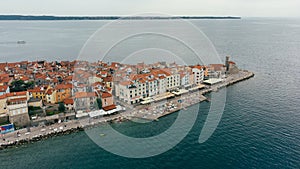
{"points": [[106, 95], [24, 78], [17, 99], [49, 92], [69, 101], [3, 96], [85, 94], [198, 67], [3, 88], [16, 94], [126, 83], [217, 67], [37, 89], [111, 107], [63, 86]]}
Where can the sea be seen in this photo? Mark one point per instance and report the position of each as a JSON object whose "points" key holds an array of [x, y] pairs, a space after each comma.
{"points": [[260, 125]]}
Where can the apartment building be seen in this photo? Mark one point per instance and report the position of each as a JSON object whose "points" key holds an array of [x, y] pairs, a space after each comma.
{"points": [[18, 108]]}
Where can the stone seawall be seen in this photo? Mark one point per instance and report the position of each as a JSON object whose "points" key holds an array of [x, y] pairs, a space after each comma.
{"points": [[40, 137]]}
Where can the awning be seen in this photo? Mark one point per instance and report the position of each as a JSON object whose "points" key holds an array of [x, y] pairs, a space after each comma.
{"points": [[212, 81], [147, 101], [187, 85], [81, 115], [103, 112], [199, 86], [147, 98], [181, 91], [163, 96]]}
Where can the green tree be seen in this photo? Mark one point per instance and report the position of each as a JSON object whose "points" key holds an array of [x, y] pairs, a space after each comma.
{"points": [[61, 107], [30, 85], [99, 103], [20, 85]]}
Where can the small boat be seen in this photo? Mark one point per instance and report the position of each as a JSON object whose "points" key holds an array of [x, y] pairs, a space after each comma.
{"points": [[102, 135], [21, 42]]}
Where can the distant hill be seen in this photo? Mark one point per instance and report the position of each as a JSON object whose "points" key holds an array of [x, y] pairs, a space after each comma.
{"points": [[44, 17]]}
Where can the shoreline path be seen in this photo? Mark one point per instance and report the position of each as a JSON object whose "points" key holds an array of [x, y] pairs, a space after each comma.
{"points": [[147, 112]]}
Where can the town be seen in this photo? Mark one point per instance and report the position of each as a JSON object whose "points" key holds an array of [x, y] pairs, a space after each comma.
{"points": [[42, 93]]}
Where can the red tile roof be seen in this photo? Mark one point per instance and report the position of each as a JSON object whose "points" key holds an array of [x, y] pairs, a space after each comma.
{"points": [[69, 101], [37, 89], [6, 79], [106, 95], [111, 107], [217, 67], [85, 94], [49, 92], [63, 86], [16, 94], [17, 99], [3, 88], [198, 67], [24, 78], [3, 96], [125, 83]]}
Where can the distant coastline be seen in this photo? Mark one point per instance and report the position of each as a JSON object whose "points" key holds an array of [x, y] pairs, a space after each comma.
{"points": [[46, 17]]}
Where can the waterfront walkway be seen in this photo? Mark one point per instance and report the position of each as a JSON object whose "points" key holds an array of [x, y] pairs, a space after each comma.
{"points": [[148, 112]]}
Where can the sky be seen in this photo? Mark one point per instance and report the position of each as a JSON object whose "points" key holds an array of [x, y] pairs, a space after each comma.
{"points": [[244, 8]]}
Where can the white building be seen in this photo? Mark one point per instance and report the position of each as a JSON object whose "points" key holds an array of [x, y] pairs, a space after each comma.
{"points": [[18, 108], [140, 86], [198, 74], [130, 92]]}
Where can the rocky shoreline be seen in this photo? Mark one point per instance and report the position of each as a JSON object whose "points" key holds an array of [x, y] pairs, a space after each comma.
{"points": [[65, 128], [40, 137]]}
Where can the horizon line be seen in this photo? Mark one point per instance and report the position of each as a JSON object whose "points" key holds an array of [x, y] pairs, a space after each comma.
{"points": [[107, 17]]}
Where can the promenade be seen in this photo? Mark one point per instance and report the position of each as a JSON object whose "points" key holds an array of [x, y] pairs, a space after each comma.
{"points": [[150, 112]]}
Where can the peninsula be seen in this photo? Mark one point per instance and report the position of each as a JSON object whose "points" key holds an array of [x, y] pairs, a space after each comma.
{"points": [[42, 99]]}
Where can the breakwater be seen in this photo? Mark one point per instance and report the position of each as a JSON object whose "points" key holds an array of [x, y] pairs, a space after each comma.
{"points": [[40, 137]]}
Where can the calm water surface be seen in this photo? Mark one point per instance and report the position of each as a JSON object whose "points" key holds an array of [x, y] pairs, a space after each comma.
{"points": [[260, 125]]}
